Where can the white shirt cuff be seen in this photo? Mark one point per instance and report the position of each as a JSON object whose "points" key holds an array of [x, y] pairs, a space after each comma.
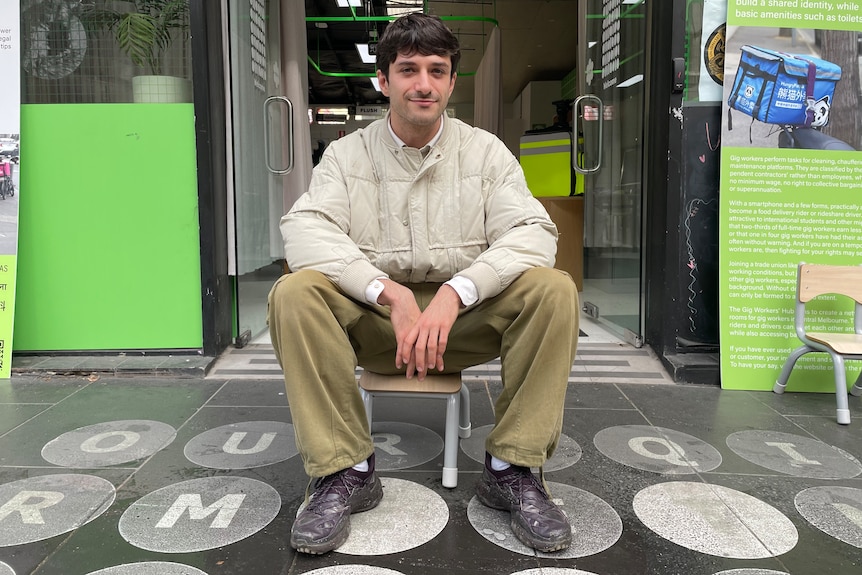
{"points": [[465, 289], [373, 291]]}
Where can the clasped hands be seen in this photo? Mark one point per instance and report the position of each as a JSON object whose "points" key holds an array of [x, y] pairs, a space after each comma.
{"points": [[422, 336]]}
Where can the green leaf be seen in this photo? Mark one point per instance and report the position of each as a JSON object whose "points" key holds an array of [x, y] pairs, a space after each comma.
{"points": [[137, 35]]}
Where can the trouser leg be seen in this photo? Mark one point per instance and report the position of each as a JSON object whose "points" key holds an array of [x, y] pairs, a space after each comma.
{"points": [[319, 335], [310, 321], [533, 325]]}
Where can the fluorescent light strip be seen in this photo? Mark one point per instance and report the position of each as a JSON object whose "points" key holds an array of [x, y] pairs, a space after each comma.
{"points": [[349, 3], [631, 81], [376, 83], [367, 57], [400, 7]]}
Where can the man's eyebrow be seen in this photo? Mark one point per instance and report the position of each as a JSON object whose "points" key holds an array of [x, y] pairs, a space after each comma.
{"points": [[410, 62]]}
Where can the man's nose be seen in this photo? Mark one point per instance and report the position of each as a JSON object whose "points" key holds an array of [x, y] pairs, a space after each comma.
{"points": [[423, 81]]}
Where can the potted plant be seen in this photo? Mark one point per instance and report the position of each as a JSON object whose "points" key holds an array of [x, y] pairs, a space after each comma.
{"points": [[145, 33]]}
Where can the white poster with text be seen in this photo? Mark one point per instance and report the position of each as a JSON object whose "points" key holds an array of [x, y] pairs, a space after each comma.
{"points": [[10, 136]]}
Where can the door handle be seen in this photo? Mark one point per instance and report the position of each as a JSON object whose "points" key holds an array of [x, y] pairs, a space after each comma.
{"points": [[279, 171], [578, 159]]}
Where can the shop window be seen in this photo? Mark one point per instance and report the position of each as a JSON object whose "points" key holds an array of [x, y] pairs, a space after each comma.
{"points": [[104, 51]]}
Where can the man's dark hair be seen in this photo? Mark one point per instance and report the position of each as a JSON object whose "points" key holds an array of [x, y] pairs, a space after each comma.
{"points": [[417, 33]]}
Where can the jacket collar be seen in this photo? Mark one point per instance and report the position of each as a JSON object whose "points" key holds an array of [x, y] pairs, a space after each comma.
{"points": [[394, 142]]}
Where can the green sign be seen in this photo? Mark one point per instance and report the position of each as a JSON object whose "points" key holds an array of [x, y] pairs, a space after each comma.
{"points": [[790, 191]]}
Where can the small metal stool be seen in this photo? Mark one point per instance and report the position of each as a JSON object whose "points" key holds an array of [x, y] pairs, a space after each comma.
{"points": [[448, 387]]}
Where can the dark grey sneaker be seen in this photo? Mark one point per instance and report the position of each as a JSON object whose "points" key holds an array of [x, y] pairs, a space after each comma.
{"points": [[324, 524], [536, 520]]}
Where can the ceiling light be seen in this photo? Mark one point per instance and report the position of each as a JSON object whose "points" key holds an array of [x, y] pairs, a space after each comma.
{"points": [[631, 81], [376, 83], [400, 7], [332, 116], [365, 54], [348, 3]]}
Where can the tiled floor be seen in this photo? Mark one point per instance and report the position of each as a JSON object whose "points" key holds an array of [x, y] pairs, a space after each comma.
{"points": [[147, 475]]}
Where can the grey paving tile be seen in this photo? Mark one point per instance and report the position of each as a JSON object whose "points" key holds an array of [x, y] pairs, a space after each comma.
{"points": [[36, 389], [59, 363], [13, 415], [26, 361]]}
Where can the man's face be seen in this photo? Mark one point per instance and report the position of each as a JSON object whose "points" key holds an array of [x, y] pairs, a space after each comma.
{"points": [[418, 88]]}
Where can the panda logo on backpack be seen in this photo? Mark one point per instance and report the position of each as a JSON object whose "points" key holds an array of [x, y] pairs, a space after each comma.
{"points": [[819, 111]]}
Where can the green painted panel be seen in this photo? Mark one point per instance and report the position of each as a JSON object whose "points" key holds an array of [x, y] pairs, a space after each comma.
{"points": [[109, 249]]}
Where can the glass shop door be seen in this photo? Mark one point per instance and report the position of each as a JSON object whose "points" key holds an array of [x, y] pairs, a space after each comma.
{"points": [[261, 137], [609, 120]]}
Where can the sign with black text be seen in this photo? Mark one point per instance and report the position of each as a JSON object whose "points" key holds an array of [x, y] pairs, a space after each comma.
{"points": [[10, 131]]}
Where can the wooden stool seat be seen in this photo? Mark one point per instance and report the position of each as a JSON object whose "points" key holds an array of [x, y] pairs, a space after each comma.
{"points": [[449, 383], [448, 387]]}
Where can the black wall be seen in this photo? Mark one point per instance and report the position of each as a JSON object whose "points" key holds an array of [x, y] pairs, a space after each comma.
{"points": [[208, 81]]}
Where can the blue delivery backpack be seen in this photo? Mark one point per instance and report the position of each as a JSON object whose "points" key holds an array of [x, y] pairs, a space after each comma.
{"points": [[785, 89]]}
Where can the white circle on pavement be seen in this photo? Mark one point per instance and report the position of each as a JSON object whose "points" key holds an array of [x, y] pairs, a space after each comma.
{"points": [[243, 445], [657, 449], [42, 507], [794, 454], [595, 524], [149, 568], [409, 515], [751, 572], [837, 511], [200, 514], [715, 520], [108, 443], [403, 445], [568, 451], [353, 570], [5, 569]]}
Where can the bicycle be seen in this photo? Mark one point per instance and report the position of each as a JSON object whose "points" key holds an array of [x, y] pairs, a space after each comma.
{"points": [[7, 186], [810, 139]]}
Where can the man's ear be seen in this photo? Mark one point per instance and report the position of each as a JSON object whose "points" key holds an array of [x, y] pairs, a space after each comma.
{"points": [[384, 83], [452, 83]]}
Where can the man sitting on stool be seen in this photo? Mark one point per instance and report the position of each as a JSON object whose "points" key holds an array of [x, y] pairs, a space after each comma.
{"points": [[419, 249]]}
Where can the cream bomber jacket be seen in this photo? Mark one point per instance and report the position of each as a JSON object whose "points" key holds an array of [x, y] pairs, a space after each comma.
{"points": [[376, 210]]}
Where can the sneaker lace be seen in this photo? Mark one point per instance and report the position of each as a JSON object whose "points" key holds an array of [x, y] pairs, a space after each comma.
{"points": [[523, 485], [333, 490]]}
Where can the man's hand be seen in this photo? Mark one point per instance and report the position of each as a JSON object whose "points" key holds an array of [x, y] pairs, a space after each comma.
{"points": [[403, 313], [421, 336], [429, 336]]}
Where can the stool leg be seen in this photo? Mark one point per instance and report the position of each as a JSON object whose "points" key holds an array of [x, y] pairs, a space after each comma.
{"points": [[781, 382], [843, 407], [465, 429], [368, 401], [450, 441]]}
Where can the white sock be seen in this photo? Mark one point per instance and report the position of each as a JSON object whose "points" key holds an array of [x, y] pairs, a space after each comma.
{"points": [[499, 465], [361, 467]]}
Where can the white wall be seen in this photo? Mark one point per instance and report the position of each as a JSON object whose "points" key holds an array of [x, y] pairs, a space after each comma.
{"points": [[532, 107]]}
